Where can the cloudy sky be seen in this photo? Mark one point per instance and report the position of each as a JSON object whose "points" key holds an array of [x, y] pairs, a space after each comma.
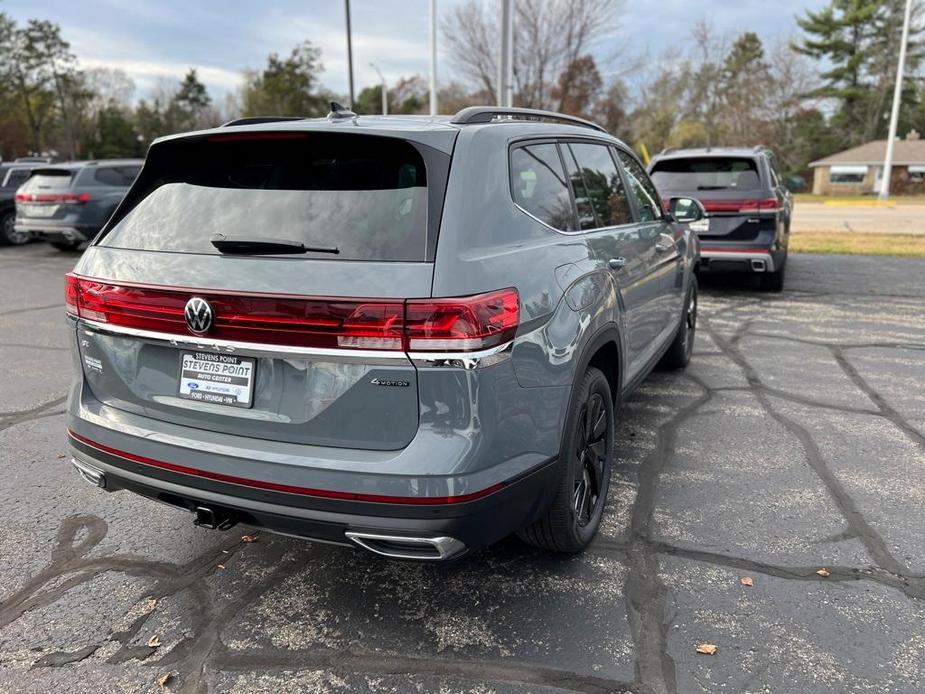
{"points": [[151, 39]]}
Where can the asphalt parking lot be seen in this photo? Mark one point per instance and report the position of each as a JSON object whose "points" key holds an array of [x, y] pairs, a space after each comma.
{"points": [[795, 442]]}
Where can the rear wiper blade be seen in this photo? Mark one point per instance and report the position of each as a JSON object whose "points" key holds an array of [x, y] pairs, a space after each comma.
{"points": [[234, 245]]}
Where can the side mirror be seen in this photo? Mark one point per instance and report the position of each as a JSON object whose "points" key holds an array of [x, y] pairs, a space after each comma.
{"points": [[686, 210]]}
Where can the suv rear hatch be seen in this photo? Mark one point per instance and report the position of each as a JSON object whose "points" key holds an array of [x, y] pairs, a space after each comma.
{"points": [[739, 208], [306, 345], [48, 197]]}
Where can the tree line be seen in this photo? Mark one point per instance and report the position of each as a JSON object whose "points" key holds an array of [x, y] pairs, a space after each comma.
{"points": [[826, 88]]}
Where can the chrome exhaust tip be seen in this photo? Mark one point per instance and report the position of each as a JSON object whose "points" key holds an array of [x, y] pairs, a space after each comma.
{"points": [[90, 473], [404, 547], [759, 265]]}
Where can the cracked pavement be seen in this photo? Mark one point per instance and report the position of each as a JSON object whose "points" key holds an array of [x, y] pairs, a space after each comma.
{"points": [[794, 441]]}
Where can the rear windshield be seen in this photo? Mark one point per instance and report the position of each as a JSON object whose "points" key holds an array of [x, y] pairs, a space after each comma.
{"points": [[706, 173], [365, 196], [48, 180]]}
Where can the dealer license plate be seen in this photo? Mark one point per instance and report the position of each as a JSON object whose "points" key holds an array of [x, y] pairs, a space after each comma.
{"points": [[221, 379]]}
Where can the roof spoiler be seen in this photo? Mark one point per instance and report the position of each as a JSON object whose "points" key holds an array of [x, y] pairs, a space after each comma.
{"points": [[256, 120]]}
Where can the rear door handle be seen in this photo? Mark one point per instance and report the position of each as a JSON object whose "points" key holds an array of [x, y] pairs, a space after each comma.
{"points": [[616, 263]]}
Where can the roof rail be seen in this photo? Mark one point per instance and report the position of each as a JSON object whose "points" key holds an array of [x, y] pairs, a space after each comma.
{"points": [[485, 114], [256, 120]]}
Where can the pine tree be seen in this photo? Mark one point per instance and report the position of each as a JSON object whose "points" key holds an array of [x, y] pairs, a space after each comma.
{"points": [[859, 40]]}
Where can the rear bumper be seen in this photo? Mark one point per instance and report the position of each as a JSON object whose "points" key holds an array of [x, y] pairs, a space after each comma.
{"points": [[740, 259], [474, 521], [57, 232]]}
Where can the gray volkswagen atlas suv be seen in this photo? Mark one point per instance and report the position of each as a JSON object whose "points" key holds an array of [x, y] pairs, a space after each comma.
{"points": [[406, 334]]}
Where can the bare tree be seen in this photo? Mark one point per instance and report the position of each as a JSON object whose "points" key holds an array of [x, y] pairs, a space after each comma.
{"points": [[549, 37]]}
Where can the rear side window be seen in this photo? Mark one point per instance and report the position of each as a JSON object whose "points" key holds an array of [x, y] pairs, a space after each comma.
{"points": [[539, 186], [363, 195], [647, 201], [599, 191], [117, 176], [17, 177], [707, 173]]}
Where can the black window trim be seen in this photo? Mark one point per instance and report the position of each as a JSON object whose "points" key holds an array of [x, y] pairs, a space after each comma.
{"points": [[663, 217], [529, 142], [560, 142]]}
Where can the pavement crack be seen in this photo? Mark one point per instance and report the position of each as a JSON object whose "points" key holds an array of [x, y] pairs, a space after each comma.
{"points": [[846, 505], [11, 419], [375, 663], [911, 585], [646, 596], [886, 410], [29, 309]]}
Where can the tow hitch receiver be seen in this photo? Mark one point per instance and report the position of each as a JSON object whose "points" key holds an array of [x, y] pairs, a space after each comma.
{"points": [[214, 519]]}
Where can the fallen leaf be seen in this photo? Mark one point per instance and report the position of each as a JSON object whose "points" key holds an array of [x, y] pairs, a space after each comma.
{"points": [[221, 566], [824, 572], [154, 642], [61, 455], [152, 603], [706, 648], [747, 581], [249, 538], [164, 679]]}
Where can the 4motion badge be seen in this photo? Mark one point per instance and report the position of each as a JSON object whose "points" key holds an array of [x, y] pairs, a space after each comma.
{"points": [[390, 383]]}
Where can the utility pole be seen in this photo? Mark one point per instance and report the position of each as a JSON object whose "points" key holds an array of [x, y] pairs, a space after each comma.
{"points": [[505, 87], [349, 51], [433, 57], [897, 97], [385, 91]]}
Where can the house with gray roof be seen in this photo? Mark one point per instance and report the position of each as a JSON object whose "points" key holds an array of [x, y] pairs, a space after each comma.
{"points": [[859, 171]]}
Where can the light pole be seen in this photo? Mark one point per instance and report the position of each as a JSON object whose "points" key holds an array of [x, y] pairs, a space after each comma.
{"points": [[433, 57], [505, 57], [894, 116], [385, 92], [349, 50]]}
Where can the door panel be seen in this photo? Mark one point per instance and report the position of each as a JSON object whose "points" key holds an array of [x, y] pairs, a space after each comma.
{"points": [[618, 246], [667, 265]]}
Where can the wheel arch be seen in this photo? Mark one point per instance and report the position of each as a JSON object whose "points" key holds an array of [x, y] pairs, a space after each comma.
{"points": [[604, 351]]}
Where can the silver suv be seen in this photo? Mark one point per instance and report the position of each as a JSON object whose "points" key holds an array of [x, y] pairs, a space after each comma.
{"points": [[407, 334]]}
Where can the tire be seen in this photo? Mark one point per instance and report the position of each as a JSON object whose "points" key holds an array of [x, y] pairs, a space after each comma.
{"points": [[65, 245], [584, 471], [773, 281], [679, 354], [8, 235]]}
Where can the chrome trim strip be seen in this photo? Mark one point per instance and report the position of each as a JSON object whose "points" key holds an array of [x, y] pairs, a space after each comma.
{"points": [[232, 346], [463, 360], [445, 547], [578, 232]]}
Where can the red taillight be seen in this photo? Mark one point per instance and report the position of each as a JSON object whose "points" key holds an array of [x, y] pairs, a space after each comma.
{"points": [[750, 206], [470, 323], [70, 294], [54, 197], [754, 206], [464, 324]]}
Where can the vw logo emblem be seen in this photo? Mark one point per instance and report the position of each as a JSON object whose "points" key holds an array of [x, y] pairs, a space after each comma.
{"points": [[199, 315]]}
